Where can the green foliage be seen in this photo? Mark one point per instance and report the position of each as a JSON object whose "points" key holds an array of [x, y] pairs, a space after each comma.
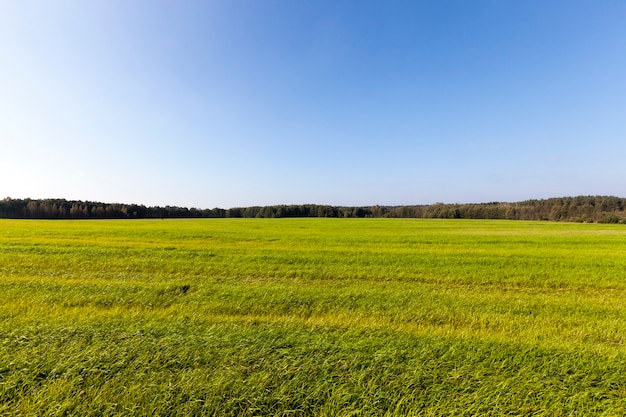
{"points": [[312, 317], [588, 209]]}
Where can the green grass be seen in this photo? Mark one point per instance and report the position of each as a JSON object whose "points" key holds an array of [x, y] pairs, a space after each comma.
{"points": [[366, 317]]}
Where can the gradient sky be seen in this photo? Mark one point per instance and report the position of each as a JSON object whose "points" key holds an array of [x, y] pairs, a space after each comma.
{"points": [[237, 103]]}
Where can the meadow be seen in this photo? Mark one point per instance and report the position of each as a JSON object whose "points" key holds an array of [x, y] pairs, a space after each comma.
{"points": [[303, 317]]}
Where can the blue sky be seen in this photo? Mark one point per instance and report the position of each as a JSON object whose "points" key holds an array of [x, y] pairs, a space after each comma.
{"points": [[237, 103]]}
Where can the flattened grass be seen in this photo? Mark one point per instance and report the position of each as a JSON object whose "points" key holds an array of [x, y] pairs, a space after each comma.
{"points": [[312, 317]]}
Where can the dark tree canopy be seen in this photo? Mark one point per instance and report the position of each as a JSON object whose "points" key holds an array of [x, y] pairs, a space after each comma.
{"points": [[598, 209]]}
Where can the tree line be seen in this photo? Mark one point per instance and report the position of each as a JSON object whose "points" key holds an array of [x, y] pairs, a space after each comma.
{"points": [[593, 209]]}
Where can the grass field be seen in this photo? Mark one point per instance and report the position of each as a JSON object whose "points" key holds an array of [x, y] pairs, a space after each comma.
{"points": [[290, 317]]}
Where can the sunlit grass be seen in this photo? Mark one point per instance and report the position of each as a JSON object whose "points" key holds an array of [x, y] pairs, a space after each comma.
{"points": [[312, 317]]}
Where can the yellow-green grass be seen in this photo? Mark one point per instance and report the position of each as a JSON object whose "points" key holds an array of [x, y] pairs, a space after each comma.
{"points": [[312, 317]]}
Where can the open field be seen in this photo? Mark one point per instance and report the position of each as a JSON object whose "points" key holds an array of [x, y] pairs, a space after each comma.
{"points": [[312, 317]]}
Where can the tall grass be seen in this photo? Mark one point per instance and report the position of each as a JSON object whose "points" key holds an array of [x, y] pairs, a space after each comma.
{"points": [[312, 317]]}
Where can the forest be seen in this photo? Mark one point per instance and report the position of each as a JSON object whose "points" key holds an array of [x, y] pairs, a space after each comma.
{"points": [[590, 209]]}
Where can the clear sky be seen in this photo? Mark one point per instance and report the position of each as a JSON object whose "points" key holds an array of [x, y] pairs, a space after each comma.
{"points": [[237, 103]]}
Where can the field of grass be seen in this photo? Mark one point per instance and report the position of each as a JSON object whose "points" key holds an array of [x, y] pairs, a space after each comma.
{"points": [[295, 317]]}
